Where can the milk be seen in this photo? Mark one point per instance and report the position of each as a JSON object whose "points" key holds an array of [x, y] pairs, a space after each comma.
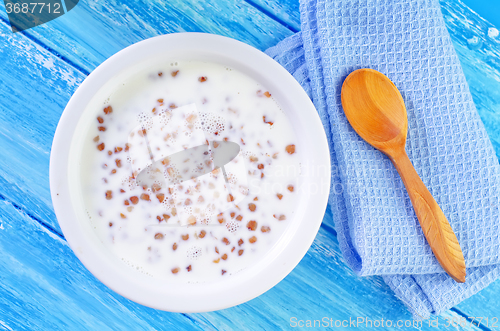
{"points": [[219, 219]]}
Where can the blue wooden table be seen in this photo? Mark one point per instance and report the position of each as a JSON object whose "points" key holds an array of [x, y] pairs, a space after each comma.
{"points": [[43, 286]]}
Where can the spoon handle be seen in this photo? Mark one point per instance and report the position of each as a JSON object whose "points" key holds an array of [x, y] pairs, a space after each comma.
{"points": [[435, 226]]}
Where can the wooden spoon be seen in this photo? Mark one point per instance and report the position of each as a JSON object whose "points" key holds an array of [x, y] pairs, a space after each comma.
{"points": [[376, 111]]}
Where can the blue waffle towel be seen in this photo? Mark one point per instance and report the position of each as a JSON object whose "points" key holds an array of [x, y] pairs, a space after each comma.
{"points": [[377, 228]]}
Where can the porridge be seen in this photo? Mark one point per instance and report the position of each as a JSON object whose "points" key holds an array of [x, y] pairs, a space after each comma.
{"points": [[190, 172]]}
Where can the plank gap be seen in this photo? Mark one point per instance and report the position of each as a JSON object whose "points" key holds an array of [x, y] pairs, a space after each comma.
{"points": [[328, 228], [64, 6], [271, 15], [469, 320], [34, 218], [197, 323]]}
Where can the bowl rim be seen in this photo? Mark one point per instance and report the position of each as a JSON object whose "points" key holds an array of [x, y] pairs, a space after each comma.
{"points": [[245, 287]]}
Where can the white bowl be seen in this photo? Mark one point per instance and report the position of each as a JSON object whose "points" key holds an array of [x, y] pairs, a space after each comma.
{"points": [[282, 257]]}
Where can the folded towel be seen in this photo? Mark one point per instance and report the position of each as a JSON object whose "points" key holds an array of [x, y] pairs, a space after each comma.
{"points": [[378, 231]]}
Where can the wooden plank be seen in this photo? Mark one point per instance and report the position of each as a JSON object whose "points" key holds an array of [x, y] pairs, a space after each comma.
{"points": [[284, 11], [36, 87], [486, 8], [44, 287], [95, 30], [484, 305], [480, 63], [482, 70]]}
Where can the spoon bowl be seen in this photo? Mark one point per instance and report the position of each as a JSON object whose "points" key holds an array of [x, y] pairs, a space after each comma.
{"points": [[375, 109]]}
